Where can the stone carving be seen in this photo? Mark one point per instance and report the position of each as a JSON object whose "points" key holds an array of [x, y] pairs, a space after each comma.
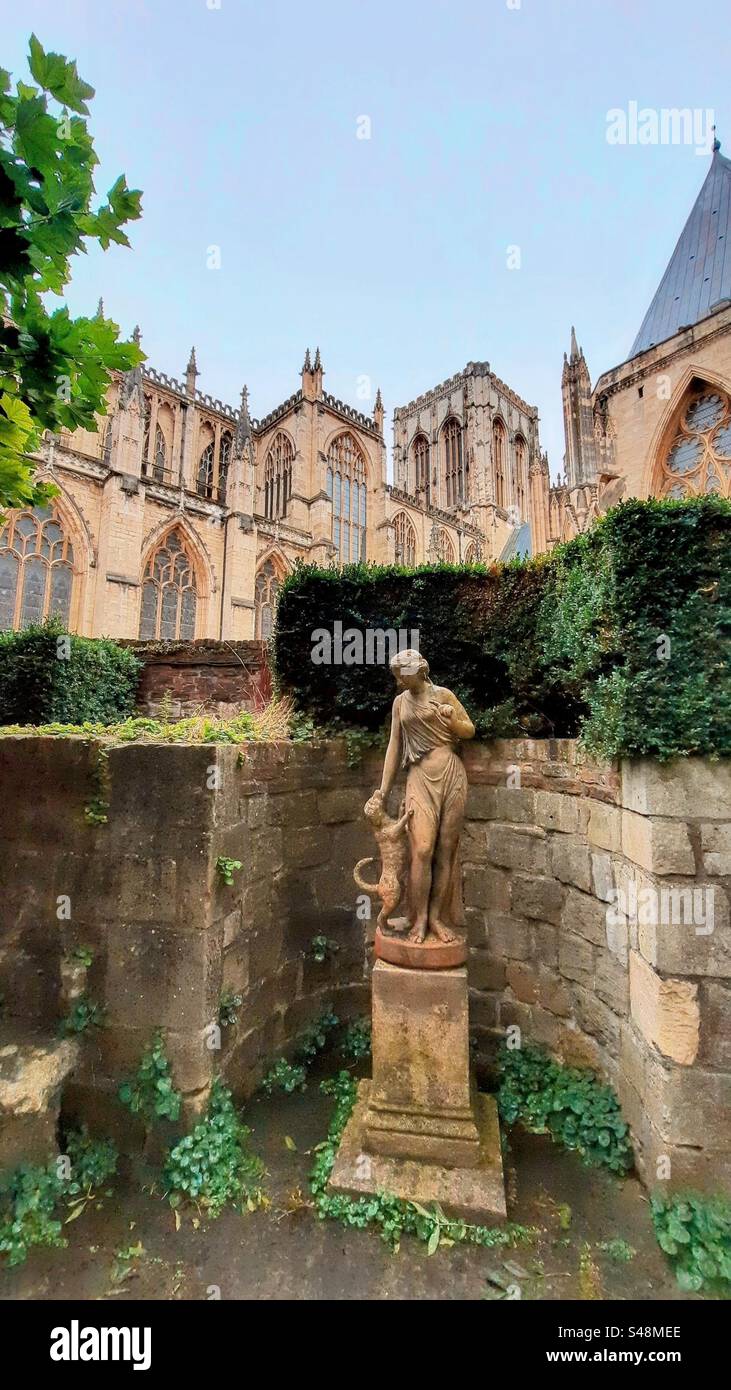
{"points": [[393, 845], [427, 724]]}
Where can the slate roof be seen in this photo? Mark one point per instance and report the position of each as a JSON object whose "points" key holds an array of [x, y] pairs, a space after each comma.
{"points": [[519, 545], [698, 275]]}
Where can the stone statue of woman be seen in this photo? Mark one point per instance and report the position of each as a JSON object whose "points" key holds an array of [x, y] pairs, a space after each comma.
{"points": [[427, 724]]}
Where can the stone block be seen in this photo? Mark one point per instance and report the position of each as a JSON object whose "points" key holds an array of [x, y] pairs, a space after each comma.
{"points": [[553, 994], [596, 1018], [523, 980], [575, 957], [571, 861], [684, 929], [290, 810], [604, 830], [686, 1105], [659, 846], [158, 977], [584, 916], [611, 982], [480, 803], [509, 936], [665, 1011], [540, 898], [685, 787], [577, 1049], [485, 971], [716, 848], [545, 944], [617, 930], [486, 888], [518, 847], [602, 876], [515, 805], [558, 811], [715, 1032]]}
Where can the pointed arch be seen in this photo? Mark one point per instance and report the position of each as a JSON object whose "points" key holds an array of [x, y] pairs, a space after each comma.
{"points": [[346, 482], [421, 455], [206, 461], [455, 472], [267, 583], [499, 460], [278, 468], [170, 598], [405, 540], [692, 455], [39, 567]]}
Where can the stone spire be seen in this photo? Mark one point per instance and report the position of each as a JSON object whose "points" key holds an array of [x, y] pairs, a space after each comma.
{"points": [[378, 411], [312, 377], [191, 372], [318, 360], [100, 308], [307, 364], [578, 417], [131, 389], [243, 424]]}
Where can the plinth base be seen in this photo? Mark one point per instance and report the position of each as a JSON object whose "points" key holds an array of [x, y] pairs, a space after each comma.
{"points": [[430, 954], [475, 1194]]}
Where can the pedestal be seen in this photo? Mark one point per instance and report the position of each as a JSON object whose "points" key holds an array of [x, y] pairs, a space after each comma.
{"points": [[419, 1130]]}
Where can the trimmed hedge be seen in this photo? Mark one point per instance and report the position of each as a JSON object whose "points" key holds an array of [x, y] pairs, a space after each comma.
{"points": [[39, 684], [620, 636]]}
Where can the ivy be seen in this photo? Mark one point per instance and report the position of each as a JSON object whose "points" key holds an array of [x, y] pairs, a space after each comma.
{"points": [[213, 1166], [226, 868], [284, 1076], [32, 1196], [85, 1014], [228, 1008], [392, 1216], [578, 1111], [292, 1076], [322, 949], [695, 1233], [151, 1093], [356, 1042]]}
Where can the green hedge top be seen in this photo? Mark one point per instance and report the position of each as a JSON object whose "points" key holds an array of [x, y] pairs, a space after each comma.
{"points": [[620, 636], [48, 676]]}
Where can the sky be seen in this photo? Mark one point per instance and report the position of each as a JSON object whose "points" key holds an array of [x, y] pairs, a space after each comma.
{"points": [[410, 185]]}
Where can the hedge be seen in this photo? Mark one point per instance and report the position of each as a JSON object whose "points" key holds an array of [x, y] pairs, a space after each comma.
{"points": [[47, 677], [620, 636]]}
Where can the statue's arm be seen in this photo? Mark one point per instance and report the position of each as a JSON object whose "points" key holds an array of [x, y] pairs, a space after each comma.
{"points": [[460, 721], [391, 761]]}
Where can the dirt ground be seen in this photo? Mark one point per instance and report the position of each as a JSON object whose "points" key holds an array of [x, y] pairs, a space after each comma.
{"points": [[127, 1246]]}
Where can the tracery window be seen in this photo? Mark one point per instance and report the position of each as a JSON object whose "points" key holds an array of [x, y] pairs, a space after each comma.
{"points": [[442, 546], [36, 568], [422, 482], [278, 476], [224, 461], [266, 589], [346, 485], [405, 537], [169, 593], [498, 456], [205, 469], [160, 456], [473, 554], [454, 464], [698, 458], [520, 476]]}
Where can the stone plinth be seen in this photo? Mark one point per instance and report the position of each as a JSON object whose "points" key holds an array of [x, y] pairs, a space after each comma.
{"points": [[419, 1130]]}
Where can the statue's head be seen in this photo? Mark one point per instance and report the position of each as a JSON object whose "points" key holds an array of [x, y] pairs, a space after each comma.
{"points": [[410, 668]]}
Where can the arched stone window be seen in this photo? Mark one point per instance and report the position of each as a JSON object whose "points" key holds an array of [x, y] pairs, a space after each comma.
{"points": [[146, 419], [36, 568], [278, 476], [697, 458], [405, 538], [440, 546], [498, 458], [160, 456], [169, 593], [266, 589], [346, 485], [421, 452], [224, 462], [454, 466], [521, 491], [473, 554], [206, 462]]}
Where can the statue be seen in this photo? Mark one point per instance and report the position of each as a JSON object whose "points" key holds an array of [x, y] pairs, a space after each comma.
{"points": [[427, 724]]}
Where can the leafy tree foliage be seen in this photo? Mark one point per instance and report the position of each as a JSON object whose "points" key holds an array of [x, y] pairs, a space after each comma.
{"points": [[54, 369]]}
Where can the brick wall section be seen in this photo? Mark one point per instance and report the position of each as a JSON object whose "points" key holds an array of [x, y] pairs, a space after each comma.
{"points": [[549, 840], [202, 676]]}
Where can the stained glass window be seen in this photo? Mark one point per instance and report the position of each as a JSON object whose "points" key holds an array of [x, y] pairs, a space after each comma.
{"points": [[36, 568], [205, 470], [698, 458], [346, 472], [278, 476], [405, 537], [422, 482], [454, 465], [266, 588], [169, 593], [498, 459]]}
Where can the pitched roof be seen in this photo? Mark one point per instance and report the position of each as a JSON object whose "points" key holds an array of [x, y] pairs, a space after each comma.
{"points": [[698, 275], [519, 545]]}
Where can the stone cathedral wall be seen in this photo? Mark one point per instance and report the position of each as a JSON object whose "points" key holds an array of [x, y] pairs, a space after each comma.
{"points": [[565, 863]]}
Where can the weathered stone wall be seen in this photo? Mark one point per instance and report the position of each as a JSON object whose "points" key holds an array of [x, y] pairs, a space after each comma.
{"points": [[549, 844], [202, 676]]}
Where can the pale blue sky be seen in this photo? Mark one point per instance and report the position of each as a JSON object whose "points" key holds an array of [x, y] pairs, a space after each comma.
{"points": [[488, 131]]}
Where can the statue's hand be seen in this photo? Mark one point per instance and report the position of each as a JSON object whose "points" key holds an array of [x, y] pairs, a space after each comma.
{"points": [[446, 711]]}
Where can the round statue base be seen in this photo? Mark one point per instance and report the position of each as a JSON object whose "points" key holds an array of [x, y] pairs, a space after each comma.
{"points": [[430, 954]]}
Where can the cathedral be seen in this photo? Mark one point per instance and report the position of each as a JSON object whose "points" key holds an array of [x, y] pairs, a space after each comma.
{"points": [[180, 516]]}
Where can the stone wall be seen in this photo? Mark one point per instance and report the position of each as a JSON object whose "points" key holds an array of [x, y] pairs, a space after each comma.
{"points": [[202, 677], [550, 842]]}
